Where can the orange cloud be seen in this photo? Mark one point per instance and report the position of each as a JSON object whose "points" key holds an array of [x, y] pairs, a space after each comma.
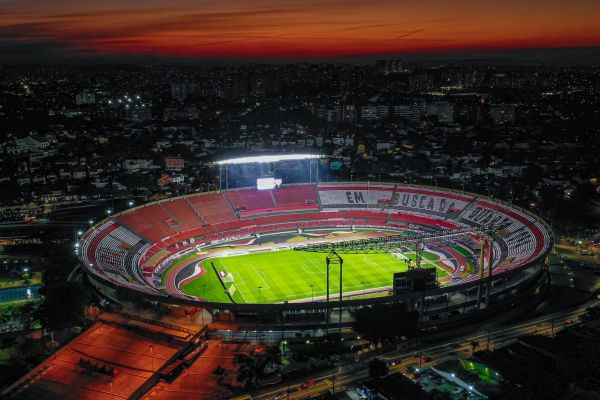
{"points": [[274, 28]]}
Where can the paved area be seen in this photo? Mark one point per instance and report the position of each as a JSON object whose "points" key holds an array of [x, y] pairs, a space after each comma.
{"points": [[199, 381], [134, 357]]}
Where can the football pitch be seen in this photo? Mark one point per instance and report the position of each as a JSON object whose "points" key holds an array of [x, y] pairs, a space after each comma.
{"points": [[286, 275]]}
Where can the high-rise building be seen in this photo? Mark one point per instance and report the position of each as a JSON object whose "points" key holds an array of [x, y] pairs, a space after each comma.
{"points": [[387, 67], [85, 98], [442, 109], [181, 91], [503, 113]]}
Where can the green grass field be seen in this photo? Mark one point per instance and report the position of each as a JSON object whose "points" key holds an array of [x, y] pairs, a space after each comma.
{"points": [[288, 275]]}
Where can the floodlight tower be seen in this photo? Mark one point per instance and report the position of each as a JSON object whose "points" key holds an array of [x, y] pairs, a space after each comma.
{"points": [[334, 258]]}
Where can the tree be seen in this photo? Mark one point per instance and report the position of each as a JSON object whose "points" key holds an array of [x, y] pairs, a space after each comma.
{"points": [[63, 305], [8, 342], [378, 368], [474, 345], [247, 375], [591, 313]]}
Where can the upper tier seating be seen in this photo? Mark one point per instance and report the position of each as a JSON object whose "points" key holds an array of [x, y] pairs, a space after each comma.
{"points": [[186, 217], [302, 196], [151, 222], [251, 200], [213, 208], [414, 200], [519, 230], [107, 249], [91, 241]]}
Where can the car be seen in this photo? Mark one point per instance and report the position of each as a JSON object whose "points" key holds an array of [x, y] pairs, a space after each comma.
{"points": [[308, 384]]}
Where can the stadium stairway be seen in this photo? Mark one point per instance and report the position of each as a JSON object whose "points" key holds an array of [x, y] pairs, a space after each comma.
{"points": [[169, 213], [318, 196], [195, 211], [273, 198], [457, 216], [231, 207]]}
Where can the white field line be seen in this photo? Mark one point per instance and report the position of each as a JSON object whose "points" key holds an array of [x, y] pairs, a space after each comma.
{"points": [[317, 267]]}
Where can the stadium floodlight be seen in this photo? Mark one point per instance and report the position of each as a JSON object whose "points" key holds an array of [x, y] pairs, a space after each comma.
{"points": [[269, 159]]}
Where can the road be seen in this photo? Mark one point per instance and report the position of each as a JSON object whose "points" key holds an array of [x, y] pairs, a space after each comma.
{"points": [[459, 347]]}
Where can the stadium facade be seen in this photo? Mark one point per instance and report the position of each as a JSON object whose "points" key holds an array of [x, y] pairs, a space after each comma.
{"points": [[139, 251]]}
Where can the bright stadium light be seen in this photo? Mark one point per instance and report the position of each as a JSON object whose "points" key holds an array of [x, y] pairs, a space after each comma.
{"points": [[269, 159]]}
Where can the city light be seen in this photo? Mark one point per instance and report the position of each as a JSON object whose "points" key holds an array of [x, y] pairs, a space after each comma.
{"points": [[269, 159]]}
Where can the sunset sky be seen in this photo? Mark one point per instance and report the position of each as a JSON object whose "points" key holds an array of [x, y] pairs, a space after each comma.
{"points": [[279, 29]]}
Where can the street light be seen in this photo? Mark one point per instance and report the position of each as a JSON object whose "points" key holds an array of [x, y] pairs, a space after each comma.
{"points": [[258, 317], [131, 203]]}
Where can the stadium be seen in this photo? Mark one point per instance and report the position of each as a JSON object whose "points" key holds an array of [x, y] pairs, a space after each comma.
{"points": [[450, 255]]}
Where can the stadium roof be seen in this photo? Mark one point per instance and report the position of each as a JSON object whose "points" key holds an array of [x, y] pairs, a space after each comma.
{"points": [[269, 159]]}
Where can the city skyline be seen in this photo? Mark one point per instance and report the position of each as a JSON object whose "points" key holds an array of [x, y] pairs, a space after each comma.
{"points": [[37, 31]]}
